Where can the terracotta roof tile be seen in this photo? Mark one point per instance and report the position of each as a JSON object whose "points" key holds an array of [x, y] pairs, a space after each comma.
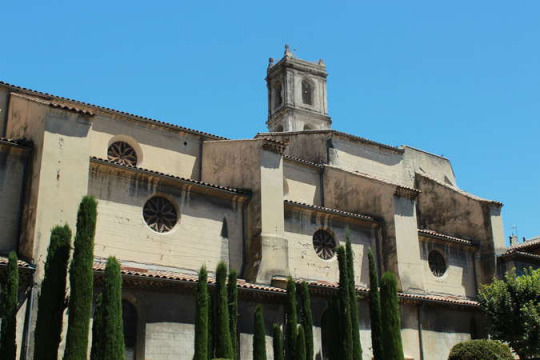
{"points": [[404, 296], [71, 108], [105, 109], [528, 244], [174, 177], [302, 161], [21, 263], [434, 234], [331, 211], [20, 142], [521, 254], [462, 192], [187, 278]]}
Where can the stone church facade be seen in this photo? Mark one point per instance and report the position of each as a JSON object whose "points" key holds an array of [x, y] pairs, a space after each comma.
{"points": [[171, 199]]}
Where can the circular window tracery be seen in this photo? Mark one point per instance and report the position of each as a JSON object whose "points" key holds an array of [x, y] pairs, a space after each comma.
{"points": [[437, 264], [324, 244], [122, 153], [160, 214]]}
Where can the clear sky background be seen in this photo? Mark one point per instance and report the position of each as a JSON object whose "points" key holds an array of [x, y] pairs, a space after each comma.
{"points": [[459, 78]]}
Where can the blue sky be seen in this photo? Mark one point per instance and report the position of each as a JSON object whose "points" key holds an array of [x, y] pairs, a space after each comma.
{"points": [[460, 78]]}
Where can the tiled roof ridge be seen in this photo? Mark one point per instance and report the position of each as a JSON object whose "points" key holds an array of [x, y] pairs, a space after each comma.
{"points": [[153, 172], [292, 158], [336, 132], [21, 263], [460, 191], [179, 276], [106, 109], [525, 245], [406, 296], [521, 254], [435, 234], [373, 177], [332, 211], [17, 141]]}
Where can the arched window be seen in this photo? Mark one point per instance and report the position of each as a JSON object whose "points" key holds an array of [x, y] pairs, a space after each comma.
{"points": [[307, 92], [122, 153], [278, 96], [129, 319]]}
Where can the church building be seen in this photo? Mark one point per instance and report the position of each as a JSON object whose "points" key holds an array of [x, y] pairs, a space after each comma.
{"points": [[171, 199]]}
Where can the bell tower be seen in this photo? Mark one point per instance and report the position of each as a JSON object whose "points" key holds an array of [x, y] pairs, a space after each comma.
{"points": [[296, 94]]}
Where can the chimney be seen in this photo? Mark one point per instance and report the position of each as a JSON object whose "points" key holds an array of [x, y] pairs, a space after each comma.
{"points": [[513, 240]]}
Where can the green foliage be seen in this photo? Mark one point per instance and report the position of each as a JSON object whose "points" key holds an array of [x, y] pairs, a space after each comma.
{"points": [[513, 309], [345, 305], [375, 309], [81, 278], [259, 340], [357, 345], [391, 322], [51, 303], [224, 347], [97, 327], [201, 317], [211, 327], [277, 342], [10, 295], [292, 321], [301, 344], [331, 331], [307, 320], [112, 331], [481, 350], [232, 292]]}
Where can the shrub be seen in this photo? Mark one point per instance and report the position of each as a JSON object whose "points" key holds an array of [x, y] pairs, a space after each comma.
{"points": [[375, 309], [277, 342], [9, 301], [357, 345], [480, 350], [292, 321], [232, 291], [391, 322], [224, 347], [345, 302]]}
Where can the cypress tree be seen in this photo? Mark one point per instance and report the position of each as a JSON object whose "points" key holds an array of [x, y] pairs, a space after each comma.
{"points": [[357, 346], [301, 344], [277, 342], [211, 328], [111, 307], [232, 291], [292, 321], [375, 309], [259, 338], [223, 335], [307, 320], [51, 303], [345, 304], [391, 323], [81, 277], [10, 295], [331, 332], [201, 317], [97, 331]]}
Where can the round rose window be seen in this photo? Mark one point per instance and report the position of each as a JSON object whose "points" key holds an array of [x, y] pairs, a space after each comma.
{"points": [[324, 244], [437, 264], [160, 214]]}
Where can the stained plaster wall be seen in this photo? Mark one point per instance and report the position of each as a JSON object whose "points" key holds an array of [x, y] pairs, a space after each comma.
{"points": [[4, 101], [209, 229], [367, 158], [445, 210], [300, 225], [459, 278], [437, 167], [245, 164], [164, 150], [301, 183], [59, 169], [13, 161]]}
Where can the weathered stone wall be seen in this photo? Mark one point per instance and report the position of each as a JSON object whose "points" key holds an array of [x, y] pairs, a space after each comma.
{"points": [[209, 229], [300, 225], [157, 148], [13, 161], [301, 183]]}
